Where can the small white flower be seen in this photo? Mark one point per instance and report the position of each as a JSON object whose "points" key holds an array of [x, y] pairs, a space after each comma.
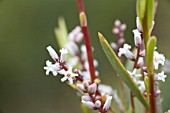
{"points": [[89, 104], [107, 103], [72, 61], [75, 35], [142, 53], [52, 53], [125, 50], [137, 37], [140, 61], [141, 86], [63, 55], [105, 89], [134, 75], [68, 75], [139, 26], [72, 47], [54, 68], [160, 76], [168, 111], [86, 74], [158, 59]]}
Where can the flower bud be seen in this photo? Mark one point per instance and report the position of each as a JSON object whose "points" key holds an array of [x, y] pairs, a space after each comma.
{"points": [[92, 88], [89, 104], [86, 98], [137, 37], [52, 53], [80, 87], [117, 23], [86, 83], [97, 103]]}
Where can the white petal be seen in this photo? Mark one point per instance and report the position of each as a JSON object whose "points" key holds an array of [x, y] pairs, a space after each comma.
{"points": [[63, 55], [64, 79], [138, 24], [137, 37], [52, 53], [107, 103]]}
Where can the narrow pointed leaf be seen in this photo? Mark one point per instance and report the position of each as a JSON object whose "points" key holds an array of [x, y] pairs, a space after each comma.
{"points": [[150, 52], [121, 71], [61, 32]]}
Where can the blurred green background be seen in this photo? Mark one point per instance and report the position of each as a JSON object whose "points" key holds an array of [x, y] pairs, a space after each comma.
{"points": [[27, 28]]}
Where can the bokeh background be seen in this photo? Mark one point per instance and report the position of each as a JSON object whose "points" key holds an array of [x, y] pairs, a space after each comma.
{"points": [[27, 28]]}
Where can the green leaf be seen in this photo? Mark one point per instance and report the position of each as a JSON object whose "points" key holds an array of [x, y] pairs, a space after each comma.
{"points": [[121, 71], [141, 6], [61, 32], [150, 13], [145, 10], [149, 54], [85, 109]]}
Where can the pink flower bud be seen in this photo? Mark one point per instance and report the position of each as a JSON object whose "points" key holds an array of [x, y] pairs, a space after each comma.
{"points": [[80, 87], [92, 88]]}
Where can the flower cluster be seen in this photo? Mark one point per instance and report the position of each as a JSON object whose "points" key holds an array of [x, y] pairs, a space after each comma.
{"points": [[118, 30], [74, 67], [139, 69]]}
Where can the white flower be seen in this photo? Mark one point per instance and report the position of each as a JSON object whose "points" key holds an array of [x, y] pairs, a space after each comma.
{"points": [[125, 50], [105, 89], [89, 104], [138, 24], [168, 111], [160, 76], [137, 37], [134, 75], [107, 103], [52, 53], [141, 86], [75, 35], [68, 75], [72, 47], [158, 59], [54, 68], [63, 55], [72, 61]]}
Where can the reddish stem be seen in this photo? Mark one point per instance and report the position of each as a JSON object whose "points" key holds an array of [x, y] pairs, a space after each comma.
{"points": [[152, 95], [134, 66], [83, 22], [89, 53], [80, 5], [132, 102]]}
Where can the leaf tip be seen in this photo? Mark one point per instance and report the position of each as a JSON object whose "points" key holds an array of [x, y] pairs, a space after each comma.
{"points": [[101, 36]]}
